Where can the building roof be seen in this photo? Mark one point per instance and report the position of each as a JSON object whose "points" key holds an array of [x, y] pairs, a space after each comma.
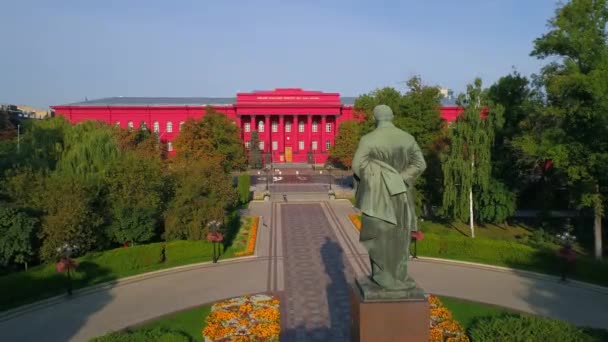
{"points": [[156, 101], [195, 101]]}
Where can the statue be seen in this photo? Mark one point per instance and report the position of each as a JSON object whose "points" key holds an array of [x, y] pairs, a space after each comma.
{"points": [[386, 165]]}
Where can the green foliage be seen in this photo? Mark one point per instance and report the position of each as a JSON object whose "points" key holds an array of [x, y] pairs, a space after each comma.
{"points": [[190, 321], [133, 224], [496, 204], [215, 136], [345, 143], [467, 163], [43, 143], [467, 313], [156, 334], [255, 155], [528, 328], [17, 236], [244, 183], [203, 191]]}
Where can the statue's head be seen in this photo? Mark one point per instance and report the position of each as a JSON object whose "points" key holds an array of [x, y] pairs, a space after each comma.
{"points": [[383, 113]]}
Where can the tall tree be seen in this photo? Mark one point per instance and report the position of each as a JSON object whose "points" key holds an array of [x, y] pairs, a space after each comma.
{"points": [[577, 96], [214, 136], [17, 237], [255, 155], [467, 164], [345, 145]]}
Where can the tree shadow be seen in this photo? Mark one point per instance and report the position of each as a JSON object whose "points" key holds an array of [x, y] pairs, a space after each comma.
{"points": [[63, 317], [337, 297]]}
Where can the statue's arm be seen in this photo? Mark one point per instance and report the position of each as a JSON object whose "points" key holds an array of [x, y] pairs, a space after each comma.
{"points": [[360, 159], [416, 167]]}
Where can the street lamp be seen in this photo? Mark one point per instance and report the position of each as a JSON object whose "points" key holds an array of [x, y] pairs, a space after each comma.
{"points": [[214, 235], [66, 263], [566, 253], [329, 168], [267, 171]]}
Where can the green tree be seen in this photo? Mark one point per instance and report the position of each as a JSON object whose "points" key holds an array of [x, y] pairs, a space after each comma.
{"points": [[496, 204], [577, 97], [214, 136], [43, 143], [17, 237], [135, 195], [255, 155], [467, 164], [203, 192], [345, 144]]}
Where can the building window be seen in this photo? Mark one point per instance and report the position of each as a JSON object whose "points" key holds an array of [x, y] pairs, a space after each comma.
{"points": [[169, 146], [156, 127], [275, 145], [143, 126], [247, 127], [328, 127], [314, 145], [130, 124], [275, 126], [181, 124], [327, 145], [288, 127], [261, 145], [261, 126], [301, 144], [314, 127], [169, 127], [301, 127], [247, 144], [117, 123]]}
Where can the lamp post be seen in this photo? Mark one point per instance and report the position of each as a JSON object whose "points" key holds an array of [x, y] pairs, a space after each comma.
{"points": [[267, 171], [214, 235], [566, 253], [66, 263], [329, 168]]}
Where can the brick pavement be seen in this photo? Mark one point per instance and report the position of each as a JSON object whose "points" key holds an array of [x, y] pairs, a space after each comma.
{"points": [[316, 302]]}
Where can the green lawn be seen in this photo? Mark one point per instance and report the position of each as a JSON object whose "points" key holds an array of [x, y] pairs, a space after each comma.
{"points": [[190, 322], [466, 312], [43, 281]]}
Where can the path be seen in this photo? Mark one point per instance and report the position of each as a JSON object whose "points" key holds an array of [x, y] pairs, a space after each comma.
{"points": [[319, 238]]}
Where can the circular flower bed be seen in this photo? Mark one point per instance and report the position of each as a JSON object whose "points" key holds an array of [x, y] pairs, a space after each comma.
{"points": [[248, 318]]}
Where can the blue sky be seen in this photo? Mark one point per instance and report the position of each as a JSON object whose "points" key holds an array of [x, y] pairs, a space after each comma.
{"points": [[62, 51]]}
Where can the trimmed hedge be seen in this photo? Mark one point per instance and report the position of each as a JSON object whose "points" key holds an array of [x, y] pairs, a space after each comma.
{"points": [[510, 254], [531, 328], [94, 268], [159, 335], [244, 183]]}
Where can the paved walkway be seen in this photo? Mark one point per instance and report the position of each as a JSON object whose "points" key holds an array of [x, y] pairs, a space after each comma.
{"points": [[323, 256]]}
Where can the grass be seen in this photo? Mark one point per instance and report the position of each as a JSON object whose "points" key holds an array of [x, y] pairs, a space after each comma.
{"points": [[467, 312], [190, 322], [43, 281]]}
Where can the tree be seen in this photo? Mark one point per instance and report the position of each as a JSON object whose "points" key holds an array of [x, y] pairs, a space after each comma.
{"points": [[17, 237], [203, 192], [255, 156], [467, 164], [346, 143], [214, 136], [135, 194], [577, 99]]}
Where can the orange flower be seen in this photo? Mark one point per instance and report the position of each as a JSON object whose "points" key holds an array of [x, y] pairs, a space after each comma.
{"points": [[252, 238]]}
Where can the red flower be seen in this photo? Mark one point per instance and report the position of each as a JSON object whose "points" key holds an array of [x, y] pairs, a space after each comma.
{"points": [[215, 237], [66, 264], [417, 235], [567, 253]]}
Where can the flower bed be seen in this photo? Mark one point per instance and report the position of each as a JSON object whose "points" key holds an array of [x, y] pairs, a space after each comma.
{"points": [[248, 318], [443, 326], [253, 233], [356, 220]]}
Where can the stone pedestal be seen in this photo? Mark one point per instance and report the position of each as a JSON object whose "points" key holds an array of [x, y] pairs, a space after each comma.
{"points": [[388, 316]]}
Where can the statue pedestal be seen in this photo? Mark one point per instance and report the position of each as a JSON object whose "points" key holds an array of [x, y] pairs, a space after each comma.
{"points": [[381, 316]]}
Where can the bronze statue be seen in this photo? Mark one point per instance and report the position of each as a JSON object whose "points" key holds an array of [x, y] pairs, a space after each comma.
{"points": [[386, 165]]}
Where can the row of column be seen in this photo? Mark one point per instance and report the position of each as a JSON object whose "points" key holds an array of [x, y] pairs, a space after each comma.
{"points": [[295, 125]]}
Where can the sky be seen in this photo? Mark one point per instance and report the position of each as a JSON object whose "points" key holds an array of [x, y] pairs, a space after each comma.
{"points": [[61, 51]]}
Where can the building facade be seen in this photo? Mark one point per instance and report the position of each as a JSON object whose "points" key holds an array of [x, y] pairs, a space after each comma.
{"points": [[293, 125]]}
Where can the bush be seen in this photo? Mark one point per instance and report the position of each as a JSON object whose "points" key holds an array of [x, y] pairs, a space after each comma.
{"points": [[157, 335], [244, 183], [529, 328]]}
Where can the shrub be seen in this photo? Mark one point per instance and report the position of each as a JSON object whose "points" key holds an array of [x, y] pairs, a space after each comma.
{"points": [[156, 334], [528, 328], [244, 183]]}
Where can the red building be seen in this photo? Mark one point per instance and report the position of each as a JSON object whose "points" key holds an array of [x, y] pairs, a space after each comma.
{"points": [[291, 122]]}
